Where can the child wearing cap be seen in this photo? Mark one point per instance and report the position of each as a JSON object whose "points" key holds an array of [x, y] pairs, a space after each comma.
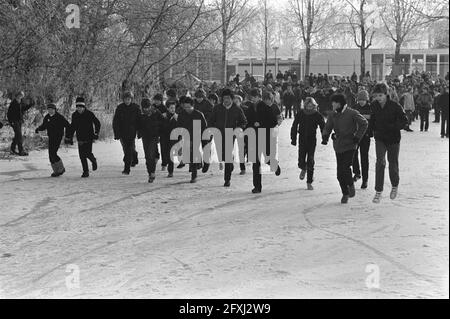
{"points": [[56, 125], [305, 127]]}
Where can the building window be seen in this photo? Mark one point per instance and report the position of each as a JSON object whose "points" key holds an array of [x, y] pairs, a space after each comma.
{"points": [[431, 63], [443, 64], [417, 63]]}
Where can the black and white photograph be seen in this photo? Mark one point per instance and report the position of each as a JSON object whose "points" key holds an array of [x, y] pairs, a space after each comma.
{"points": [[235, 150]]}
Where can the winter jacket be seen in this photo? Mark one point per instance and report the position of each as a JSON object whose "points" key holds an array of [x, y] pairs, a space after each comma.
{"points": [[55, 126], [16, 111], [443, 103], [205, 107], [186, 120], [86, 125], [347, 125], [425, 101], [305, 125], [150, 125], [365, 111], [408, 102], [161, 108], [387, 122], [168, 125], [222, 118], [289, 99], [126, 121], [262, 114]]}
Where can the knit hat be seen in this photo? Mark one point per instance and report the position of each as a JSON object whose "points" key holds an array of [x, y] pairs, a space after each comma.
{"points": [[200, 93], [51, 106], [255, 92], [146, 103], [310, 100], [339, 98], [80, 102], [227, 92], [363, 95], [128, 95], [171, 93], [158, 97], [380, 88]]}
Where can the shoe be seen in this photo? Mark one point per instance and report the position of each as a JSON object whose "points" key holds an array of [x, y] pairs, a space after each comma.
{"points": [[54, 175], [394, 193], [364, 185], [193, 181], [205, 168], [310, 187], [227, 184], [13, 152], [356, 178], [170, 175], [344, 199], [85, 175], [181, 165], [135, 160], [256, 191], [351, 191], [377, 198], [302, 174], [126, 172], [163, 168], [94, 165], [221, 166], [278, 171], [23, 153], [243, 172], [442, 136]]}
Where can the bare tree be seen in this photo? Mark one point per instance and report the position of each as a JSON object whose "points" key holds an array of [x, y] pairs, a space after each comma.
{"points": [[234, 16], [400, 21], [436, 10], [313, 18], [360, 28]]}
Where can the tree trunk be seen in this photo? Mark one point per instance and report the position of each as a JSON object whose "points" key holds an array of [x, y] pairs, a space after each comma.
{"points": [[224, 59], [363, 61], [307, 58], [397, 68]]}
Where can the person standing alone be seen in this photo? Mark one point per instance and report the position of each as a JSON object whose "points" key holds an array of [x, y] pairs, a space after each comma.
{"points": [[15, 118]]}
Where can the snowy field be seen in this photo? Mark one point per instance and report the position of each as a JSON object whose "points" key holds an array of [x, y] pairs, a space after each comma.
{"points": [[130, 239]]}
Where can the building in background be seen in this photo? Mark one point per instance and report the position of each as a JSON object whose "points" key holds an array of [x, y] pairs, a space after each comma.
{"points": [[378, 61], [255, 65]]}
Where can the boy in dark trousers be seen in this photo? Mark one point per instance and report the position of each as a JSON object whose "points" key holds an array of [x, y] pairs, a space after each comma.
{"points": [[363, 107], [150, 127], [186, 120], [15, 114], [87, 127], [55, 124], [305, 126], [349, 127], [169, 124], [125, 126]]}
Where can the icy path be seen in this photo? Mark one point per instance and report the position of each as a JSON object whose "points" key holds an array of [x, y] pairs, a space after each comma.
{"points": [[175, 240]]}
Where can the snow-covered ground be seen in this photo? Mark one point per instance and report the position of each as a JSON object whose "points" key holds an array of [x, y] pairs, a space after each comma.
{"points": [[171, 239]]}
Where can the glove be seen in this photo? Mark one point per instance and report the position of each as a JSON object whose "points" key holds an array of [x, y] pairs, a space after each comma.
{"points": [[356, 139], [294, 143], [36, 131], [95, 136], [333, 136]]}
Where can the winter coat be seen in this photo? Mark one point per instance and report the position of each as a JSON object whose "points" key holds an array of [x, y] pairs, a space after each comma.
{"points": [[365, 111], [55, 126], [443, 103], [16, 111], [222, 118], [305, 126], [150, 125], [265, 117], [289, 99], [387, 122], [186, 120], [86, 125], [161, 108], [408, 102], [347, 125], [205, 107], [425, 101], [126, 121]]}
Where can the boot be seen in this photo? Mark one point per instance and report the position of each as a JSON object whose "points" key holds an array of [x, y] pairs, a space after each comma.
{"points": [[310, 187], [377, 198], [151, 178], [394, 193], [94, 165], [351, 191], [205, 168], [58, 169], [302, 174], [344, 199], [85, 175], [364, 185]]}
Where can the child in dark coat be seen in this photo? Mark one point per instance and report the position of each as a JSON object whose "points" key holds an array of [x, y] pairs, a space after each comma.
{"points": [[305, 126], [55, 124]]}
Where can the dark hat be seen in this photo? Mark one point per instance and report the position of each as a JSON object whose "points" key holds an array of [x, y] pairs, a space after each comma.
{"points": [[227, 92], [255, 92], [200, 93], [380, 88], [128, 95], [80, 102], [171, 93], [146, 103], [51, 106], [158, 97], [188, 100], [339, 98]]}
